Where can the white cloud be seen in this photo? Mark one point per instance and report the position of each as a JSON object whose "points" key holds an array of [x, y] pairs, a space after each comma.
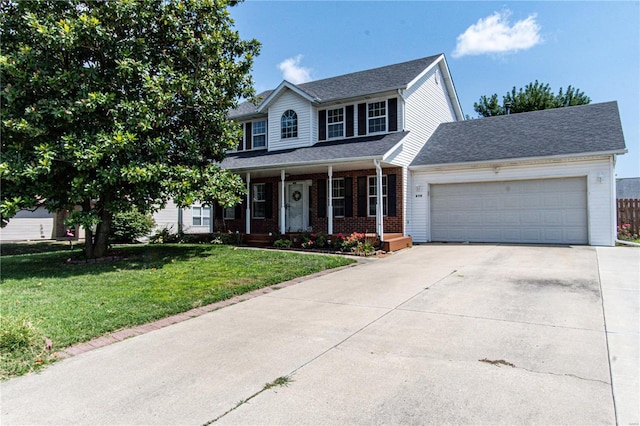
{"points": [[293, 72], [494, 34]]}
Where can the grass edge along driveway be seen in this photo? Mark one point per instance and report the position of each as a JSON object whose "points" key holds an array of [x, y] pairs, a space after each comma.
{"points": [[48, 302]]}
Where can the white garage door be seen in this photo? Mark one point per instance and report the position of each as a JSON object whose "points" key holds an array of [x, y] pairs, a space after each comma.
{"points": [[530, 211]]}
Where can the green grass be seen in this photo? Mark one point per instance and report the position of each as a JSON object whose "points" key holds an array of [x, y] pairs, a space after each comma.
{"points": [[75, 303]]}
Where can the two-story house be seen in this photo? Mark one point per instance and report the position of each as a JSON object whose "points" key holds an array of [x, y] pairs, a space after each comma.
{"points": [[386, 151], [332, 155]]}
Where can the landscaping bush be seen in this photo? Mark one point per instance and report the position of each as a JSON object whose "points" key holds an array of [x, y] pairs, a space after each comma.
{"points": [[624, 233], [127, 227], [282, 243], [164, 236]]}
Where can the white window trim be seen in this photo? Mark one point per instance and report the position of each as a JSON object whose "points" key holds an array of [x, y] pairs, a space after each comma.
{"points": [[385, 196], [200, 216], [254, 134], [296, 126], [254, 200], [334, 198], [385, 116], [343, 123]]}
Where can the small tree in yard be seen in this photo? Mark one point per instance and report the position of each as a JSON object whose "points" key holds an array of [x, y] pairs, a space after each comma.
{"points": [[112, 104]]}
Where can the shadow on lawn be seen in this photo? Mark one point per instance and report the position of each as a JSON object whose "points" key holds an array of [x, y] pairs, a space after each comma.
{"points": [[54, 264]]}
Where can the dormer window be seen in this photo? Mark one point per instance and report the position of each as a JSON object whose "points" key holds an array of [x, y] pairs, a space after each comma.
{"points": [[377, 116], [335, 123], [289, 124]]}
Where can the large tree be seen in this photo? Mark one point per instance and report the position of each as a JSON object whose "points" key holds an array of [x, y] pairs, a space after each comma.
{"points": [[112, 104], [534, 96]]}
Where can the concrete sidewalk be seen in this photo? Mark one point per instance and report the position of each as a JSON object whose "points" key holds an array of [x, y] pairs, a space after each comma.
{"points": [[434, 334]]}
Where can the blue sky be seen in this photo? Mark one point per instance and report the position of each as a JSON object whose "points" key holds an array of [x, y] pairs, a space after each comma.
{"points": [[490, 46]]}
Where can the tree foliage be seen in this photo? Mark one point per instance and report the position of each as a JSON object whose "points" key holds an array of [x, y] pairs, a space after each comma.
{"points": [[534, 97], [110, 105]]}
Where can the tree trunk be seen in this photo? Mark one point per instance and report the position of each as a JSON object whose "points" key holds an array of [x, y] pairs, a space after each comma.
{"points": [[102, 235], [88, 243]]}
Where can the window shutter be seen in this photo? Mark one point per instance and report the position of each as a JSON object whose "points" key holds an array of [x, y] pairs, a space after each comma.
{"points": [[348, 197], [322, 198], [349, 121], [268, 203], [238, 212], [247, 133], [322, 125], [392, 105], [217, 212], [362, 196], [391, 195], [362, 119]]}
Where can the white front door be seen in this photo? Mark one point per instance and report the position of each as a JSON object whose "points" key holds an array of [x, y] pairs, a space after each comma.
{"points": [[297, 218]]}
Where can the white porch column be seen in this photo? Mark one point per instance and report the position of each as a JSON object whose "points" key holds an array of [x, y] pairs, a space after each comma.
{"points": [[282, 204], [379, 208], [330, 206], [248, 210]]}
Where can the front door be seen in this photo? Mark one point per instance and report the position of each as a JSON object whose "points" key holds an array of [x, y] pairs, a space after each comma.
{"points": [[296, 219]]}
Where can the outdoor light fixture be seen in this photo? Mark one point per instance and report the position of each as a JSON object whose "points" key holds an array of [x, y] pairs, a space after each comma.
{"points": [[600, 178]]}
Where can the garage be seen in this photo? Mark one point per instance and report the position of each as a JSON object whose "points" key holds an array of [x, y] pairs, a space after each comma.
{"points": [[540, 211]]}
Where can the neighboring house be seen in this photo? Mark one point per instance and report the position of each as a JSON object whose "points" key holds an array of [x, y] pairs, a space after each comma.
{"points": [[537, 177], [628, 188], [39, 224]]}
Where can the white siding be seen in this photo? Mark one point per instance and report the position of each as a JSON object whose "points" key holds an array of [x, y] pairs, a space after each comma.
{"points": [[27, 225], [166, 218], [427, 104], [599, 173], [289, 100]]}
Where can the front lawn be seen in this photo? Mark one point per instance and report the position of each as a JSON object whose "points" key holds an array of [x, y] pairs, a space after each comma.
{"points": [[70, 303]]}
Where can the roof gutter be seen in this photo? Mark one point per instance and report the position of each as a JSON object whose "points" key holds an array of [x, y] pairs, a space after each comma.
{"points": [[307, 163], [516, 161]]}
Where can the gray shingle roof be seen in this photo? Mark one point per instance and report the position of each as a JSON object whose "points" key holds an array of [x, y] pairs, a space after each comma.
{"points": [[365, 147], [356, 84], [553, 132], [628, 188]]}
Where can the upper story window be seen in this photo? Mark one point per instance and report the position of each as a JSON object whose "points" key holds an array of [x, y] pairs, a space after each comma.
{"points": [[259, 134], [335, 123], [377, 116], [289, 124], [201, 215]]}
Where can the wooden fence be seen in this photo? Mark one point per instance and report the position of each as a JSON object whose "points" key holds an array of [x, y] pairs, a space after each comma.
{"points": [[628, 211]]}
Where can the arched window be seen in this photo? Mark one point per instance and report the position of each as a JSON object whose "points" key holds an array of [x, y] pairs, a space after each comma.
{"points": [[289, 124]]}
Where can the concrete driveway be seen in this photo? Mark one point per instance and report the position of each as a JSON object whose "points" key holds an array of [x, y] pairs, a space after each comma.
{"points": [[455, 334]]}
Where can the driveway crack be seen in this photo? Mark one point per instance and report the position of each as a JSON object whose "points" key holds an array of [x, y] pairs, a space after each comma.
{"points": [[501, 362]]}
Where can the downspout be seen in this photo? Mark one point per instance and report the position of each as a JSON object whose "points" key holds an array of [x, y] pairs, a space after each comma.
{"points": [[330, 207], [379, 209], [247, 218], [282, 205]]}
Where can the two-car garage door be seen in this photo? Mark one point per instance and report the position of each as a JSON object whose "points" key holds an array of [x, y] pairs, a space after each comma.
{"points": [[529, 211]]}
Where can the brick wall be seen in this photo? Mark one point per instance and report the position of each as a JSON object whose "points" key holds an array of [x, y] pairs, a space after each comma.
{"points": [[343, 225]]}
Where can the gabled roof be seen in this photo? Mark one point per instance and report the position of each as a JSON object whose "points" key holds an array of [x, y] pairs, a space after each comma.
{"points": [[376, 80], [344, 150], [570, 131]]}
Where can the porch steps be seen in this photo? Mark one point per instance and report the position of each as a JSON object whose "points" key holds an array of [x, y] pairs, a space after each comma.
{"points": [[395, 242], [259, 240]]}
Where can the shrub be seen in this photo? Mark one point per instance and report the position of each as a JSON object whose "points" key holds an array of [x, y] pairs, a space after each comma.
{"points": [[127, 227], [624, 233], [164, 236], [282, 243], [22, 347]]}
